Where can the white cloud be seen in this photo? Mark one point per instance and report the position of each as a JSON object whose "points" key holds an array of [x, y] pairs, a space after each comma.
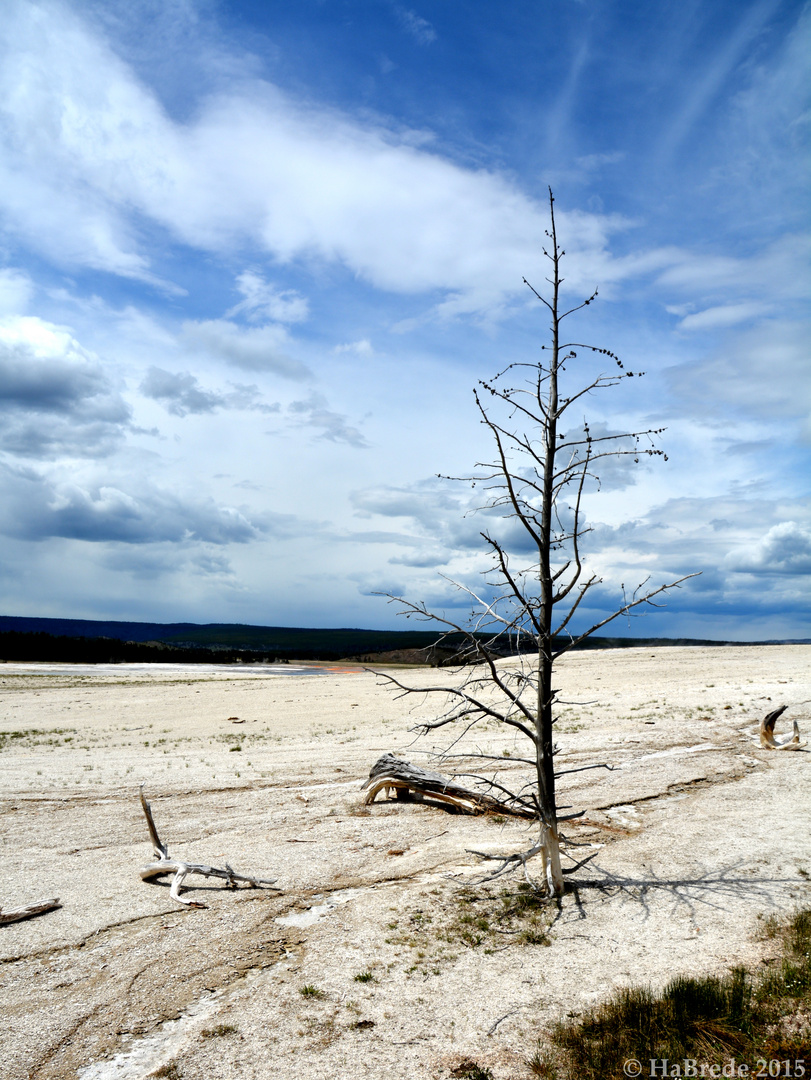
{"points": [[764, 372], [180, 392], [777, 272], [88, 149], [265, 301], [271, 190], [258, 348], [164, 559], [784, 549], [420, 29], [724, 315], [334, 426], [762, 152], [591, 162], [671, 539], [441, 515], [724, 55], [75, 130], [363, 347], [16, 289]]}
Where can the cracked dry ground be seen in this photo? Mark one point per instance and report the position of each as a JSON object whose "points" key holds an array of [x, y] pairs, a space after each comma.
{"points": [[407, 966]]}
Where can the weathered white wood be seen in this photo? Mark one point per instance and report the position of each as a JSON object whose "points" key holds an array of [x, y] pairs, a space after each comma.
{"points": [[167, 865], [392, 773], [28, 911], [767, 739], [387, 784]]}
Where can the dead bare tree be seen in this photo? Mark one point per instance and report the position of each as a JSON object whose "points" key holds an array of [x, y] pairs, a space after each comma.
{"points": [[538, 478]]}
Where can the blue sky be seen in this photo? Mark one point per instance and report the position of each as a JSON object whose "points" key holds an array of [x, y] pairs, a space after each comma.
{"points": [[254, 257]]}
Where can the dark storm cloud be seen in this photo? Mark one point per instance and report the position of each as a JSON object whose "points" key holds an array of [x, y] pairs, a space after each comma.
{"points": [[52, 384], [57, 405], [34, 508]]}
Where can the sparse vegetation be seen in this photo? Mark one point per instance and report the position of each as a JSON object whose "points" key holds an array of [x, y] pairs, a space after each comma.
{"points": [[471, 1070], [709, 1019], [486, 919], [310, 991], [169, 1071], [36, 737], [218, 1031], [365, 977]]}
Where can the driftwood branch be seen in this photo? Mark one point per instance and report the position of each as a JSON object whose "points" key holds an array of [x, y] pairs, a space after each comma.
{"points": [[409, 781], [28, 911], [767, 739], [167, 865]]}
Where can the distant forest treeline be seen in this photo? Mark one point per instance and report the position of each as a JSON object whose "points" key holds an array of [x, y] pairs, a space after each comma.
{"points": [[91, 642], [85, 641]]}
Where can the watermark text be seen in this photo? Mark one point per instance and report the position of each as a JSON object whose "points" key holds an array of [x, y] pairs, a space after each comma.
{"points": [[690, 1067]]}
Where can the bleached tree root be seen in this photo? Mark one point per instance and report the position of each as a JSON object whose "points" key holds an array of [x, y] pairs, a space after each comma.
{"points": [[767, 739], [551, 882], [509, 863], [167, 865], [28, 911], [390, 773]]}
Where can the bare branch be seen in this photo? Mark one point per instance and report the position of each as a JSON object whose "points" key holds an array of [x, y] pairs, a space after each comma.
{"points": [[646, 599], [585, 768], [180, 870], [28, 911]]}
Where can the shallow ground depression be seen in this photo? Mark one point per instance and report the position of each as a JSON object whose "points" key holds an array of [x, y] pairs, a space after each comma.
{"points": [[380, 955]]}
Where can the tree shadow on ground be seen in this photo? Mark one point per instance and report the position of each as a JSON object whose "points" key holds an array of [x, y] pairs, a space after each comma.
{"points": [[688, 894]]}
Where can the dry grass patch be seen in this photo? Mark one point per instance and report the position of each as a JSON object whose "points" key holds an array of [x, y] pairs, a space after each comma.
{"points": [[751, 1017]]}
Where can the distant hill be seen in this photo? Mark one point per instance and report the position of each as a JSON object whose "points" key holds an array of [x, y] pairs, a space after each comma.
{"points": [[282, 641], [96, 641]]}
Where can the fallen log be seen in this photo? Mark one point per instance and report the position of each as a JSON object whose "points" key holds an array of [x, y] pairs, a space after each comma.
{"points": [[411, 782], [767, 739], [167, 865], [28, 911]]}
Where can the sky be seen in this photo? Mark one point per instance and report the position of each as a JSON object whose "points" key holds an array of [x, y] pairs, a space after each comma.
{"points": [[255, 256]]}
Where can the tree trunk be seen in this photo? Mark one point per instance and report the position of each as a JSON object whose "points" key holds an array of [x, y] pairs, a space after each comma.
{"points": [[551, 859]]}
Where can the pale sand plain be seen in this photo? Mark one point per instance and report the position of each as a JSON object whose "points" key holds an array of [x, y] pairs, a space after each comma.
{"points": [[698, 835]]}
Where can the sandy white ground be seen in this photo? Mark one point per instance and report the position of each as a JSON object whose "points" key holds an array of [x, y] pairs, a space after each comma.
{"points": [[700, 834]]}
